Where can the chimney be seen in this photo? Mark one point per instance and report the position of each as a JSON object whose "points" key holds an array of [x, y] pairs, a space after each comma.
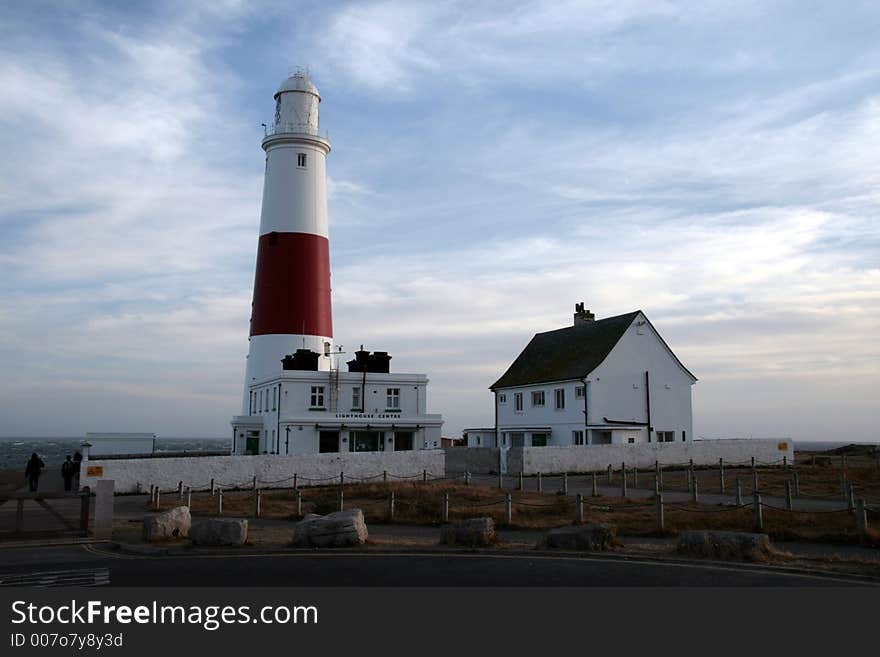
{"points": [[582, 316]]}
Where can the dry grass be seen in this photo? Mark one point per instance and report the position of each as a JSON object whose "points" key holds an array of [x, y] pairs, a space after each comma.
{"points": [[422, 504]]}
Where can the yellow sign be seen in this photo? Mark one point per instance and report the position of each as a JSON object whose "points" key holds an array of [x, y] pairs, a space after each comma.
{"points": [[95, 470], [782, 447]]}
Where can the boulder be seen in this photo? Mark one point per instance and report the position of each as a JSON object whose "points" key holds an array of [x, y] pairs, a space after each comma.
{"points": [[338, 529], [219, 531], [472, 532], [168, 525], [738, 546], [592, 538]]}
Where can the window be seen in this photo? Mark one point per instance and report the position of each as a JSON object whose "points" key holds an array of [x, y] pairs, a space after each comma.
{"points": [[393, 399], [517, 401], [478, 440], [560, 399], [328, 441], [356, 399], [539, 440], [301, 160], [274, 392], [683, 436], [267, 400], [665, 436], [317, 400], [577, 437], [502, 398], [403, 441], [579, 392], [630, 440], [538, 398]]}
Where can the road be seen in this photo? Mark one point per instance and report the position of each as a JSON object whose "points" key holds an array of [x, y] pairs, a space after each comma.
{"points": [[100, 565]]}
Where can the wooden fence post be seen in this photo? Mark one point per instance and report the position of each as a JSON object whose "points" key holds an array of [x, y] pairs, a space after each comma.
{"points": [[851, 499], [254, 483], [180, 491], [797, 484], [341, 500], [695, 495], [635, 476], [213, 487], [739, 492], [501, 480], [565, 483], [788, 502], [299, 503], [861, 517], [295, 487], [658, 510], [754, 480], [721, 474], [189, 496], [258, 503], [656, 485], [759, 516], [540, 484], [623, 480], [83, 511], [508, 509], [219, 498], [424, 475], [384, 475], [391, 507], [445, 507], [520, 480], [579, 508], [342, 479], [156, 506], [595, 485]]}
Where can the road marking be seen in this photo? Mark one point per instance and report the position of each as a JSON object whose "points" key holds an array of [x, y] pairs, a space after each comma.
{"points": [[52, 578]]}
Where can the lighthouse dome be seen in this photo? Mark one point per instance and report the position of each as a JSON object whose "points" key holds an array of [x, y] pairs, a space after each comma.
{"points": [[299, 81]]}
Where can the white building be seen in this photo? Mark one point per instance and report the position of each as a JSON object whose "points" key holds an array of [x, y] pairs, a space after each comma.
{"points": [[295, 398], [608, 381]]}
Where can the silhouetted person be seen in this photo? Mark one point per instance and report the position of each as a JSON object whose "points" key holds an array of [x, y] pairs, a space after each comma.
{"points": [[32, 471], [68, 470], [77, 460]]}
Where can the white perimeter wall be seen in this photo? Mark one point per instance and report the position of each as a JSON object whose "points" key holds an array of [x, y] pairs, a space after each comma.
{"points": [[548, 460], [133, 475]]}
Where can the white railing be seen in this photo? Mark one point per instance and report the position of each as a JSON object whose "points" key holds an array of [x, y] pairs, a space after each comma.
{"points": [[293, 128]]}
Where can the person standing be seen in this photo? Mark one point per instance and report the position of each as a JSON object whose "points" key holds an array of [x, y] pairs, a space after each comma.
{"points": [[32, 471], [68, 470]]}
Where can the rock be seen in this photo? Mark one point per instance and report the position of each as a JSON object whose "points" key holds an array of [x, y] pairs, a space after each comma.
{"points": [[338, 529], [473, 532], [168, 525], [592, 537], [725, 545], [219, 531]]}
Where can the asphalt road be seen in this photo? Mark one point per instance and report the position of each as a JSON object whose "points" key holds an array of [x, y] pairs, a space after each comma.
{"points": [[79, 565]]}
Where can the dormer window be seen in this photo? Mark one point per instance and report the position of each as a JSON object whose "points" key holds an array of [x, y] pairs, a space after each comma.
{"points": [[301, 160]]}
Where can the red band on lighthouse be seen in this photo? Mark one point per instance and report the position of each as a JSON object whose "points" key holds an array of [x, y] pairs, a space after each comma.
{"points": [[292, 285]]}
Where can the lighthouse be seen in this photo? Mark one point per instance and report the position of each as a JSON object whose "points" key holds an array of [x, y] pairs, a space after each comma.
{"points": [[297, 400], [291, 304]]}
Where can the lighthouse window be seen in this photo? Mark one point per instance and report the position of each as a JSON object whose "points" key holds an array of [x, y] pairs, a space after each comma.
{"points": [[317, 400], [301, 160], [393, 395], [356, 399]]}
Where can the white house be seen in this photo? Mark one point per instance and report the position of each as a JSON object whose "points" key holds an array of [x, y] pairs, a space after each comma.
{"points": [[303, 410], [608, 381]]}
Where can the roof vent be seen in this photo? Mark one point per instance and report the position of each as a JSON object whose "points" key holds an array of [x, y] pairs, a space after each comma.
{"points": [[582, 316]]}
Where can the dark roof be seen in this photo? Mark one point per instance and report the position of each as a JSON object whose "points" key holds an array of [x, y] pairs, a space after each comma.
{"points": [[567, 353]]}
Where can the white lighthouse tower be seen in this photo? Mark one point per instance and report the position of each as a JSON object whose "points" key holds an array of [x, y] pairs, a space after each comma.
{"points": [[297, 400], [291, 304]]}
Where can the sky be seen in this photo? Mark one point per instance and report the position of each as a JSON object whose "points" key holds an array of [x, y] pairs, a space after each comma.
{"points": [[715, 164]]}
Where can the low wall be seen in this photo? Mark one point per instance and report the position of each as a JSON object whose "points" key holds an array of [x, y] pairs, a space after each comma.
{"points": [[133, 475], [471, 459], [590, 458]]}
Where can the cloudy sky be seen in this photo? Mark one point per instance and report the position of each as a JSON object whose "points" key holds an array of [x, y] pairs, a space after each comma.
{"points": [[714, 164]]}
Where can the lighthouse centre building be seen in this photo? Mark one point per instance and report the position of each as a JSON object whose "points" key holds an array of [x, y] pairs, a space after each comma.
{"points": [[301, 395]]}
